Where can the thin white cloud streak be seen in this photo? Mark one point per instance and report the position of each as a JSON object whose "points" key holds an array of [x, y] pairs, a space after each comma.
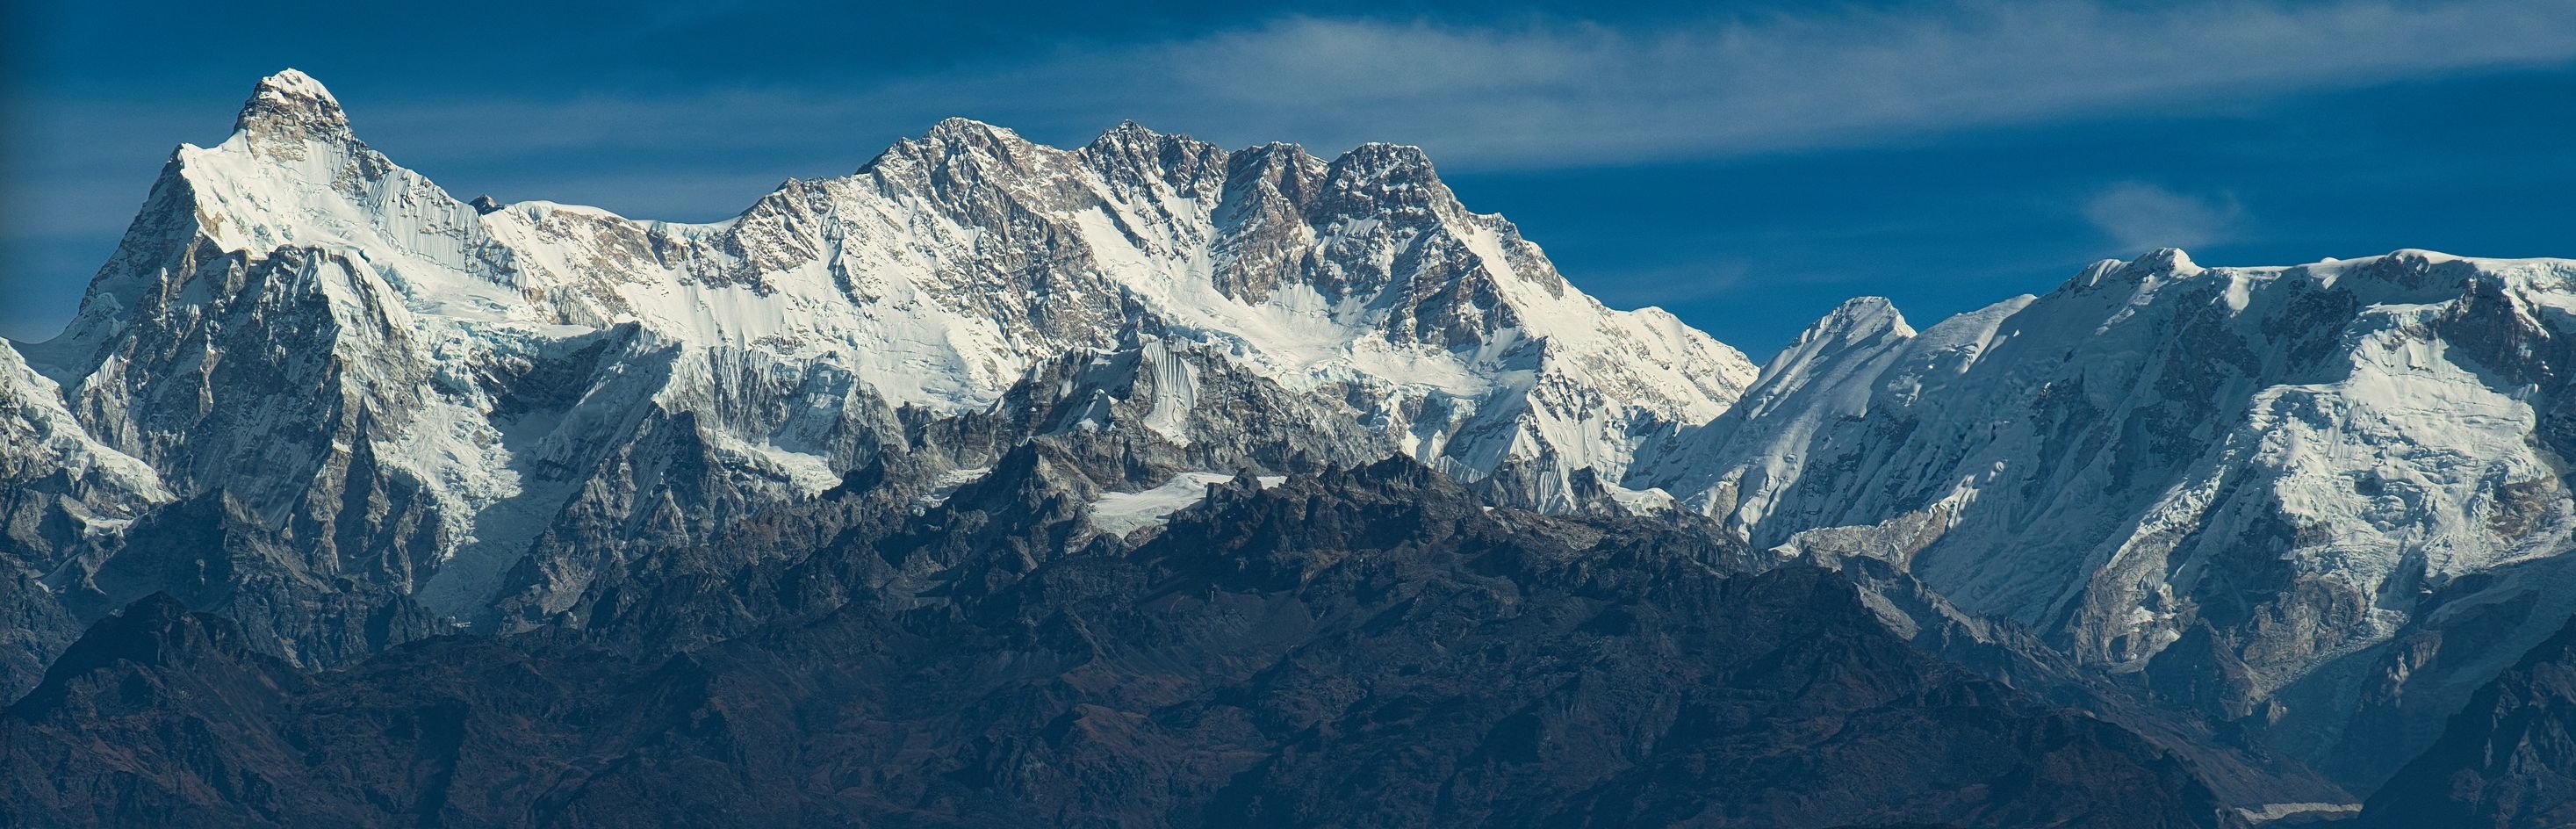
{"points": [[1567, 95], [1578, 94], [2140, 216], [1590, 94]]}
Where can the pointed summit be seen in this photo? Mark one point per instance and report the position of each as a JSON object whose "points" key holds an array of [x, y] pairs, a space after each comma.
{"points": [[2160, 262], [1854, 334], [2168, 260], [291, 104], [1128, 134], [960, 131], [1858, 319], [955, 137], [1380, 159], [1386, 174]]}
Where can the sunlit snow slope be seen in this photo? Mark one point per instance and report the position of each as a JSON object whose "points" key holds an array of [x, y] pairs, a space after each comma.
{"points": [[419, 388], [2234, 479]]}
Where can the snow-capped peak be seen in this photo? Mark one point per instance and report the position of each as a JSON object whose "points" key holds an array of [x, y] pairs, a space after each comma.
{"points": [[932, 278], [1127, 132], [1858, 321], [1737, 466], [2159, 450], [292, 104], [2166, 260], [2160, 263]]}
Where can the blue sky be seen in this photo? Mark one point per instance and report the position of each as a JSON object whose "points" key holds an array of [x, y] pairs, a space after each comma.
{"points": [[1746, 165]]}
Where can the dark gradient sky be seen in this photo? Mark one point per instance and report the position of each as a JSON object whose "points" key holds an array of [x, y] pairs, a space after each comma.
{"points": [[1747, 165]]}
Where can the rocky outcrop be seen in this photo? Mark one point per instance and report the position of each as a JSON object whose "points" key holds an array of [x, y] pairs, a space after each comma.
{"points": [[2507, 760]]}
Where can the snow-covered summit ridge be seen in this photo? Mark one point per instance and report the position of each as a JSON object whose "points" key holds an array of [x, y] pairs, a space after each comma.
{"points": [[2288, 462], [291, 102], [1370, 245], [292, 312], [2236, 331]]}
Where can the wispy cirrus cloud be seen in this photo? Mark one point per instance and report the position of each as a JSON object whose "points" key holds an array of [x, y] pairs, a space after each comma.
{"points": [[1536, 95], [1562, 95], [2140, 216], [1525, 95], [1574, 93]]}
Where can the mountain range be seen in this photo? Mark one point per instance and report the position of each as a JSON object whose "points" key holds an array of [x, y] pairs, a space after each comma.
{"points": [[1151, 482]]}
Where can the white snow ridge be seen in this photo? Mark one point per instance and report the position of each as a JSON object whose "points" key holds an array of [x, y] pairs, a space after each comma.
{"points": [[932, 278], [2284, 464]]}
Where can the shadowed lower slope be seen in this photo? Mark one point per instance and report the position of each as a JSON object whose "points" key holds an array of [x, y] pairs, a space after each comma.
{"points": [[1365, 648]]}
